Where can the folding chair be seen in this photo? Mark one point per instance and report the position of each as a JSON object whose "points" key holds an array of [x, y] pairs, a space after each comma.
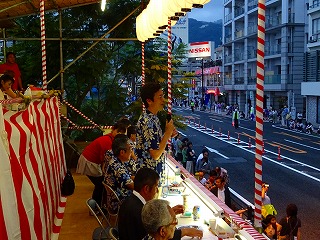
{"points": [[105, 231], [111, 204]]}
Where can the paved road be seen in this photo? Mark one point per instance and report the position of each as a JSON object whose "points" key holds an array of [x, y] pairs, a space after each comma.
{"points": [[293, 179]]}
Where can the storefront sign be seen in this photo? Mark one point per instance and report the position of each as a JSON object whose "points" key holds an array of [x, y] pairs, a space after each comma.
{"points": [[211, 70]]}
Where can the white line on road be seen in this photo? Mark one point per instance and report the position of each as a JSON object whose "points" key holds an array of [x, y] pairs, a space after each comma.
{"points": [[181, 133], [267, 158], [215, 120], [217, 152], [248, 129], [302, 145]]}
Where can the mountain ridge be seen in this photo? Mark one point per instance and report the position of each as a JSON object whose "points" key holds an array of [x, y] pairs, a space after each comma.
{"points": [[200, 31]]}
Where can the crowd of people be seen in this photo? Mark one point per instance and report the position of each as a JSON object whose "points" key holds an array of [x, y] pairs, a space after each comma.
{"points": [[130, 160]]}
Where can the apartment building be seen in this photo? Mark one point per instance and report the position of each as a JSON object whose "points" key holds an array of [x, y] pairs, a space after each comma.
{"points": [[285, 46], [311, 85]]}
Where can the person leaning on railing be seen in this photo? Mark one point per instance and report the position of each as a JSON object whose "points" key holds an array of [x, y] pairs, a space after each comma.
{"points": [[6, 91]]}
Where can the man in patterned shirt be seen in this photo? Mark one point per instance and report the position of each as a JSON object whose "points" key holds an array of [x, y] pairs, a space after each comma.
{"points": [[151, 142], [117, 176]]}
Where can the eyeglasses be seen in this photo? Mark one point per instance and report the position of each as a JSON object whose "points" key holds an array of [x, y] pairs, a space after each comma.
{"points": [[174, 222]]}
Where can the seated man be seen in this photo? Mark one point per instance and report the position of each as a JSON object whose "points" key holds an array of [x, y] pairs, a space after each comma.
{"points": [[159, 219], [130, 224], [117, 175]]}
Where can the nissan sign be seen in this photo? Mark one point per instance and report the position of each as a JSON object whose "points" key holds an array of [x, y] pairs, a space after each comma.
{"points": [[200, 49]]}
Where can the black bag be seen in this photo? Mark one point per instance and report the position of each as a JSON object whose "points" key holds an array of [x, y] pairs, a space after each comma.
{"points": [[68, 185]]}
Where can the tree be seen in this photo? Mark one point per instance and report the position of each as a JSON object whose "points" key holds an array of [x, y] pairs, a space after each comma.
{"points": [[107, 67]]}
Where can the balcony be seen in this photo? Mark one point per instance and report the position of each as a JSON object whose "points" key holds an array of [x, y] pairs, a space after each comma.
{"points": [[227, 59], [238, 11], [273, 49], [314, 38], [252, 4], [252, 80], [253, 28], [238, 80], [252, 53], [273, 21], [314, 5], [228, 38], [227, 81], [238, 33], [238, 56], [228, 18], [272, 79]]}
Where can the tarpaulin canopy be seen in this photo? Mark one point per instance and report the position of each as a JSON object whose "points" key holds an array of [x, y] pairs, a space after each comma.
{"points": [[11, 9]]}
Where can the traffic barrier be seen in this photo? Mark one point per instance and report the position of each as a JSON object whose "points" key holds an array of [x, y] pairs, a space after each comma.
{"points": [[228, 135], [205, 126], [249, 142], [238, 138], [220, 134], [199, 124], [212, 130], [279, 157]]}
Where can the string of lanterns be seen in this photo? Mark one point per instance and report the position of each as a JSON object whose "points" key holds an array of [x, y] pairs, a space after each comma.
{"points": [[153, 20]]}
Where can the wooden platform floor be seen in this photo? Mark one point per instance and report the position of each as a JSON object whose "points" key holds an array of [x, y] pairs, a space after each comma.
{"points": [[77, 224]]}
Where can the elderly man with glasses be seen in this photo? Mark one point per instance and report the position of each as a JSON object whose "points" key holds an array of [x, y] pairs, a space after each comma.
{"points": [[117, 175], [159, 219]]}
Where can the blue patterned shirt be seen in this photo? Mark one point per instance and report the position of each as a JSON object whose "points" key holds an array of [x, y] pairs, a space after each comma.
{"points": [[117, 177], [149, 135]]}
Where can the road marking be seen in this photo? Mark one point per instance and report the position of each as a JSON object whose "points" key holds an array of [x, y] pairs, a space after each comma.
{"points": [[248, 135], [181, 133], [248, 129], [316, 142], [217, 152], [267, 158], [216, 120], [301, 133], [302, 145], [287, 134], [286, 147]]}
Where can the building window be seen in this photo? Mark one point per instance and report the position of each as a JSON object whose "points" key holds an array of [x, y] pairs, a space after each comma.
{"points": [[316, 26], [318, 109]]}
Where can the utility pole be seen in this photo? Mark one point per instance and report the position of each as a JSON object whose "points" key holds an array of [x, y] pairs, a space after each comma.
{"points": [[202, 86]]}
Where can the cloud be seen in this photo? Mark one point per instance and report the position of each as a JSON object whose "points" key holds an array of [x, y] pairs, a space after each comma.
{"points": [[210, 12]]}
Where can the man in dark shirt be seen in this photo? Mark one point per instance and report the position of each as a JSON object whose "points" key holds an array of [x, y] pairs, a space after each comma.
{"points": [[145, 189]]}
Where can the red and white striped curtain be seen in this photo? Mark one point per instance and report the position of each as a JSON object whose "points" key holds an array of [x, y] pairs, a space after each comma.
{"points": [[32, 167]]}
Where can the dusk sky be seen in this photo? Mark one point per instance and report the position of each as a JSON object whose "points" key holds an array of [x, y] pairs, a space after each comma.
{"points": [[210, 12]]}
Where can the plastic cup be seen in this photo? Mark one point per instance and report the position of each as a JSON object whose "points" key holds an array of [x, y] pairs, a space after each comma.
{"points": [[213, 224]]}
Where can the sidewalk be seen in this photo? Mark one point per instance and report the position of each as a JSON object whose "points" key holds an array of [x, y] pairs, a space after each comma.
{"points": [[76, 223]]}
